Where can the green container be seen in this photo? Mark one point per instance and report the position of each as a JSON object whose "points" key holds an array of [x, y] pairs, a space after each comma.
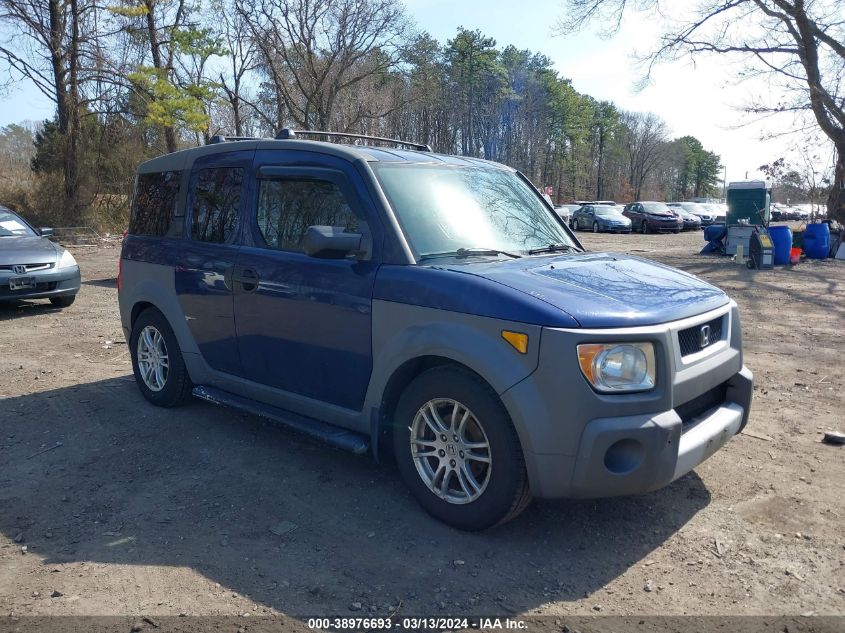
{"points": [[749, 200]]}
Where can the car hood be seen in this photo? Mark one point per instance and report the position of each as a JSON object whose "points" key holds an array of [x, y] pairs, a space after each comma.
{"points": [[27, 250], [605, 289]]}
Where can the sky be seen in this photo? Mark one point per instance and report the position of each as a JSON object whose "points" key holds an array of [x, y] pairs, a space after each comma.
{"points": [[701, 100]]}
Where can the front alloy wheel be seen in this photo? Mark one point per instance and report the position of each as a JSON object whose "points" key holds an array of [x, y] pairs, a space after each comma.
{"points": [[458, 451], [644, 227], [595, 227], [451, 451]]}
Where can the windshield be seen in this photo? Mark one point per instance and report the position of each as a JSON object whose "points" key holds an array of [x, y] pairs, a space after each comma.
{"points": [[656, 207], [12, 226], [442, 209]]}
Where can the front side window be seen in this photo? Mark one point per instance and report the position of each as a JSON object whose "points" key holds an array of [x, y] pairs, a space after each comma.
{"points": [[287, 207], [443, 208], [217, 203], [156, 196]]}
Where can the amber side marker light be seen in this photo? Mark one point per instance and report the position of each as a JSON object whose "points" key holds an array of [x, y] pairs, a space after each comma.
{"points": [[518, 340]]}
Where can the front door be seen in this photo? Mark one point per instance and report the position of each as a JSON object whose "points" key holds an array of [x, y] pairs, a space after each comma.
{"points": [[303, 323]]}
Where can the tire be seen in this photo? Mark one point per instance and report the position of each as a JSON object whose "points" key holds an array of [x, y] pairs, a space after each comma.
{"points": [[499, 486], [596, 227], [644, 227], [63, 302], [175, 388], [573, 225]]}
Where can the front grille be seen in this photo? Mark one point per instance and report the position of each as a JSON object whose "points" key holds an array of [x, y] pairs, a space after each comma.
{"points": [[691, 338], [691, 409], [28, 268]]}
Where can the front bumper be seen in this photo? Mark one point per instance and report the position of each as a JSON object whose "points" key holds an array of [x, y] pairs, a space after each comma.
{"points": [[654, 225], [579, 443], [50, 283], [636, 454]]}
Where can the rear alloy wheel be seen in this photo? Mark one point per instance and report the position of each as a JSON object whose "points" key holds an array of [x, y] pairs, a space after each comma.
{"points": [[457, 450], [595, 227], [157, 363]]}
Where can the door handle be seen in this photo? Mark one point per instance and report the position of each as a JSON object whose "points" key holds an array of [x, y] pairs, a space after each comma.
{"points": [[247, 277]]}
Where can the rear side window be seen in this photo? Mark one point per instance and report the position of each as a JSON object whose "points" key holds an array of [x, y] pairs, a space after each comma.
{"points": [[156, 196], [286, 208], [217, 203]]}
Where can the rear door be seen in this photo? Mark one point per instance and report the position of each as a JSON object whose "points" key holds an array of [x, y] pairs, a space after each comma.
{"points": [[217, 193], [304, 324]]}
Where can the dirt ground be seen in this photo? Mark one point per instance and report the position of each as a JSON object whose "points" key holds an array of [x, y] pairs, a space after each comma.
{"points": [[125, 509]]}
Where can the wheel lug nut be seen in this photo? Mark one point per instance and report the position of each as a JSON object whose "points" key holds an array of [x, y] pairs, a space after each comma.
{"points": [[452, 463], [442, 453], [443, 437], [461, 454], [455, 437]]}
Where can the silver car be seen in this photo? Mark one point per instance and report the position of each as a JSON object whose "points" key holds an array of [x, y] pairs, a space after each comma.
{"points": [[33, 267]]}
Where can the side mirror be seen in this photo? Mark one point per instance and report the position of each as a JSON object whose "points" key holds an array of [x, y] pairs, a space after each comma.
{"points": [[45, 231], [331, 242]]}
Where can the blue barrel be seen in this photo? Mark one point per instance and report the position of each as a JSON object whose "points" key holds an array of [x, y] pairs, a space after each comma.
{"points": [[715, 232], [782, 241], [817, 241]]}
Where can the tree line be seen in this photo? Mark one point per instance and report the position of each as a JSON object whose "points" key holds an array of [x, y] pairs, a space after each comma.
{"points": [[137, 78]]}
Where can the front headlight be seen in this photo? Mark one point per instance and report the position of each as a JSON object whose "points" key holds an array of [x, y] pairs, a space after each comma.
{"points": [[618, 367], [66, 260]]}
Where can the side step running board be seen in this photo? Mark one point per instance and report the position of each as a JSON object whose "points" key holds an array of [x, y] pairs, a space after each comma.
{"points": [[357, 443]]}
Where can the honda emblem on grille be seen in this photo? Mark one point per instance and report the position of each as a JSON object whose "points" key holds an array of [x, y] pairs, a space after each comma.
{"points": [[704, 336], [19, 269]]}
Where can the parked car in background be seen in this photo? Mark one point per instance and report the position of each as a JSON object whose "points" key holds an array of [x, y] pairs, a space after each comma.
{"points": [[719, 211], [600, 218], [691, 221], [565, 211], [653, 217], [709, 213], [341, 290], [33, 267]]}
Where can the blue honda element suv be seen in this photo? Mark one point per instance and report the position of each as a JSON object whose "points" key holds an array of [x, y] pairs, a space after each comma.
{"points": [[436, 307]]}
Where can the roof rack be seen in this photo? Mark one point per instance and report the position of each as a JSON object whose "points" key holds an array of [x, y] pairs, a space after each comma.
{"points": [[220, 138], [292, 134]]}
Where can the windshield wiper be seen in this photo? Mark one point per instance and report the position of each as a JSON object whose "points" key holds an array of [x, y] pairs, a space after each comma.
{"points": [[553, 248], [468, 252]]}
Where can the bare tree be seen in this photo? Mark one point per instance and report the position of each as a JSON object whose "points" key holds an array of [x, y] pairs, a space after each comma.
{"points": [[241, 60], [46, 43], [315, 50], [646, 146], [798, 44]]}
